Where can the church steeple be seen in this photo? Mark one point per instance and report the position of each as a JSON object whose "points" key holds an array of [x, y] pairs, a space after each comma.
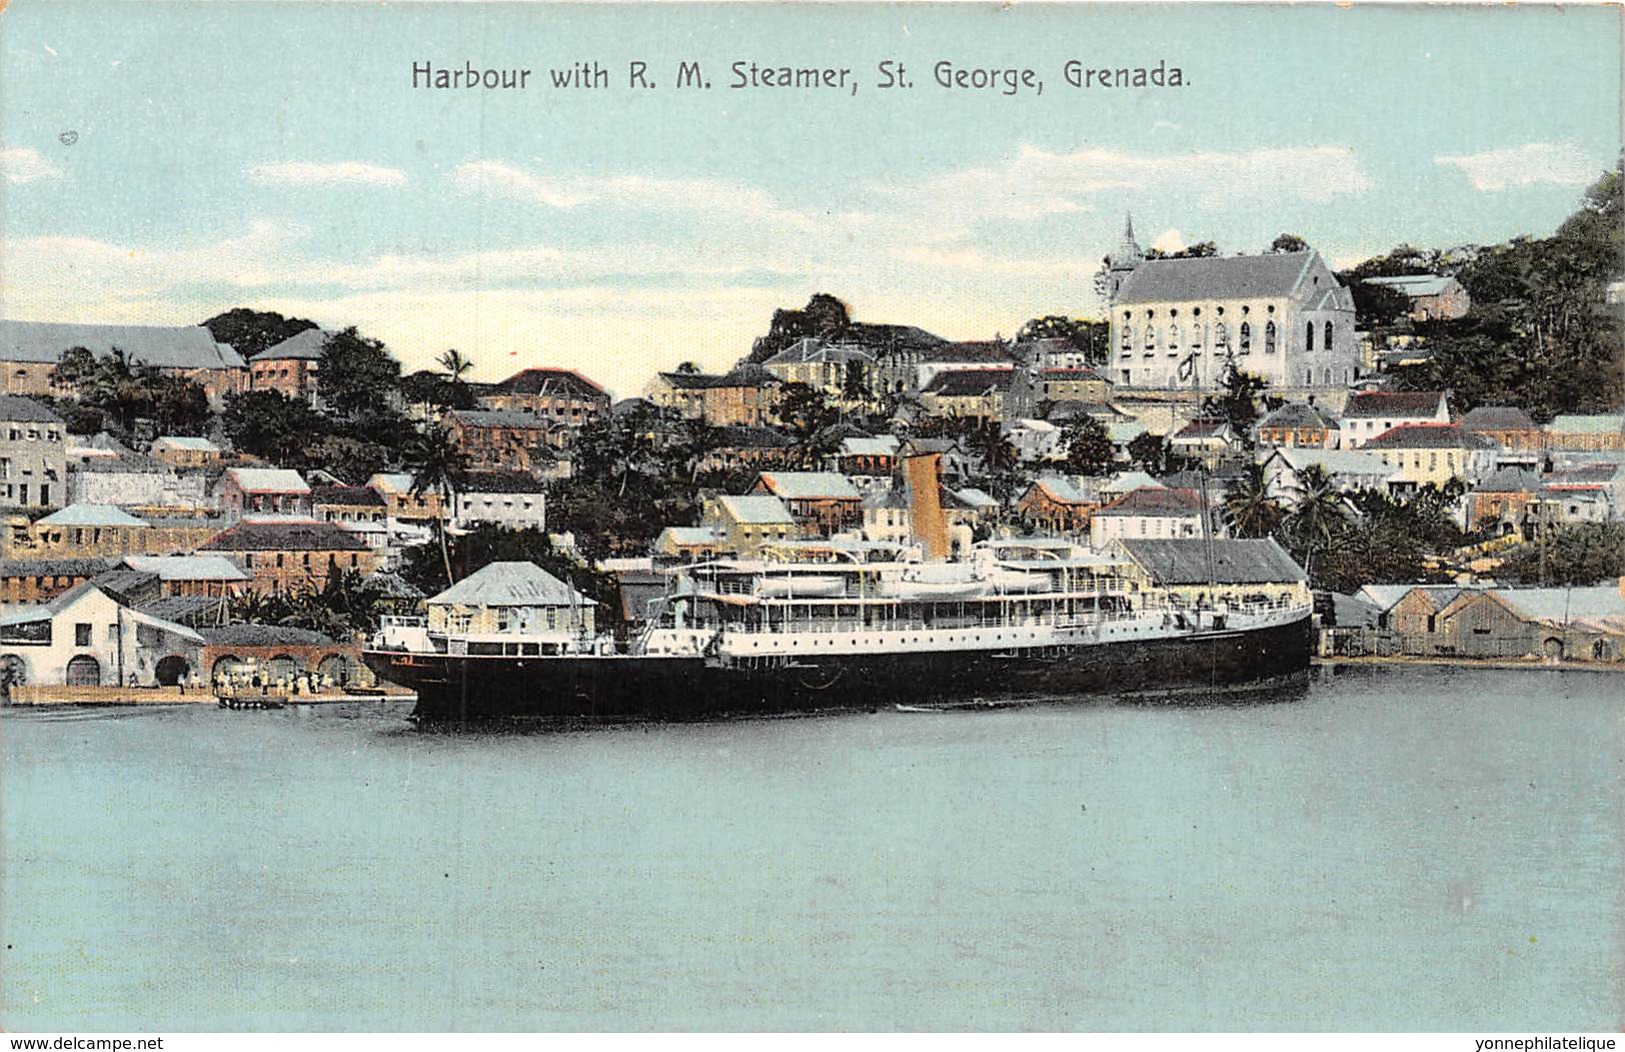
{"points": [[1128, 253], [1122, 262]]}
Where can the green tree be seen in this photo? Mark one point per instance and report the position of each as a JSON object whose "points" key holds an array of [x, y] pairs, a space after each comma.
{"points": [[1249, 510], [249, 332], [438, 466], [352, 459], [805, 409], [1580, 555], [271, 425], [123, 392], [1376, 307], [1091, 337], [456, 392], [824, 316], [76, 366], [1371, 551], [1317, 519], [1237, 402], [615, 449], [1289, 243], [1200, 250], [988, 442], [357, 374], [1149, 453], [855, 382], [1088, 446], [180, 407]]}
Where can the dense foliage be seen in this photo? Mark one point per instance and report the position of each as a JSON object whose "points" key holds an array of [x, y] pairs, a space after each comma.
{"points": [[249, 332], [1088, 446], [1588, 553], [347, 606], [131, 401], [823, 316], [1540, 334], [1093, 338]]}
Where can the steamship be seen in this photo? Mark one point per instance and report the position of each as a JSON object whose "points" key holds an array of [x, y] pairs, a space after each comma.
{"points": [[861, 625]]}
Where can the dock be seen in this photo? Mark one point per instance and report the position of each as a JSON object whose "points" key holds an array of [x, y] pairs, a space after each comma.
{"points": [[46, 696]]}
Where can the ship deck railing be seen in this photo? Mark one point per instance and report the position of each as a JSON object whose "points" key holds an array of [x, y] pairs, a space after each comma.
{"points": [[1148, 613]]}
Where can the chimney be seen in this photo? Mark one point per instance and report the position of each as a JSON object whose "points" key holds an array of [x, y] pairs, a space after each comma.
{"points": [[923, 474]]}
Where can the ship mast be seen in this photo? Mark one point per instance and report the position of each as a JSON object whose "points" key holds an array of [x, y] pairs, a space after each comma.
{"points": [[1207, 543]]}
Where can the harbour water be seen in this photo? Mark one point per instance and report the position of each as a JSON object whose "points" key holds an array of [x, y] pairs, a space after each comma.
{"points": [[1394, 849]]}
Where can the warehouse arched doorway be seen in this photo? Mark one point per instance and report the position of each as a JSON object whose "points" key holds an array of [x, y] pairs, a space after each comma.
{"points": [[84, 671], [171, 670], [283, 667], [337, 669]]}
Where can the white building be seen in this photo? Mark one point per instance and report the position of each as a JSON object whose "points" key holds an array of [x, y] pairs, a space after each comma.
{"points": [[512, 499], [502, 600], [1368, 414], [87, 637], [1147, 512], [1177, 323], [1348, 470], [1034, 440]]}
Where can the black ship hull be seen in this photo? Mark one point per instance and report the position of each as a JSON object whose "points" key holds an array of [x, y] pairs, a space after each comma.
{"points": [[454, 688]]}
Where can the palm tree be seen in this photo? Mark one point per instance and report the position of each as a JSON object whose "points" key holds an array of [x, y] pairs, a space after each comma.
{"points": [[1249, 509], [998, 453], [1319, 517], [438, 466], [456, 367]]}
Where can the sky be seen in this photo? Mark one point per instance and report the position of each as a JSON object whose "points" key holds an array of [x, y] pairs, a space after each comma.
{"points": [[162, 163]]}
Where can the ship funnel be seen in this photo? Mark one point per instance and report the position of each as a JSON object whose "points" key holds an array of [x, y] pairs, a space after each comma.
{"points": [[922, 472]]}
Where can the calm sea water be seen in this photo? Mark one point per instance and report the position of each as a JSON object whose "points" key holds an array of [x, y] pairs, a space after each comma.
{"points": [[1418, 849]]}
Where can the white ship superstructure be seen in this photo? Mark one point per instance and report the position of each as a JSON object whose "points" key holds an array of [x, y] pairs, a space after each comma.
{"points": [[1008, 597]]}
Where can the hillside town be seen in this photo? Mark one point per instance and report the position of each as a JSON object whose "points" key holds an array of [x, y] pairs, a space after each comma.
{"points": [[234, 506]]}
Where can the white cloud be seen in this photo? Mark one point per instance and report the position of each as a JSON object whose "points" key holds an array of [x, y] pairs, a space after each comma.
{"points": [[943, 261], [493, 177], [308, 173], [69, 273], [1170, 240], [633, 192], [23, 164], [539, 264], [1036, 183], [1562, 164]]}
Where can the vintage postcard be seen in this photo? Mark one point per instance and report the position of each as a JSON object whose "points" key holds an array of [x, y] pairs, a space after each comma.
{"points": [[790, 517]]}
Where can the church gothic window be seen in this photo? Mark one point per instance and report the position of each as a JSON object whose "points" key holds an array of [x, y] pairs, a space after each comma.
{"points": [[1309, 336], [1246, 338], [1328, 341], [1173, 339], [1221, 335], [1269, 338]]}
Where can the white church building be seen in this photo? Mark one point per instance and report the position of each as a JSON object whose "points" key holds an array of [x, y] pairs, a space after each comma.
{"points": [[1177, 323]]}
